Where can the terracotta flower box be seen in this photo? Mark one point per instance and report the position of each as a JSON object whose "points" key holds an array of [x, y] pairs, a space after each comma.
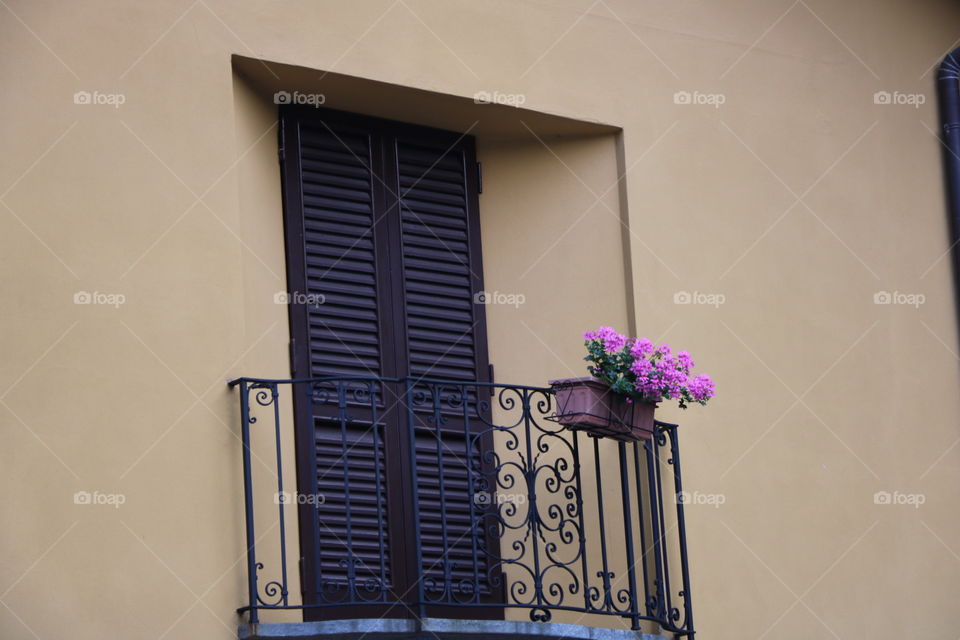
{"points": [[588, 404]]}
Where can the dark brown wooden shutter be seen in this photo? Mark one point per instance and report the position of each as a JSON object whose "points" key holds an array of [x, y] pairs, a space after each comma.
{"points": [[338, 314], [382, 225], [443, 324]]}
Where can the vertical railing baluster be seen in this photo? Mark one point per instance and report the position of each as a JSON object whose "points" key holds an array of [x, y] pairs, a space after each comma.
{"points": [[668, 601], [628, 535], [681, 524], [275, 399], [605, 575], [311, 392], [657, 542], [378, 463], [476, 524], [248, 502], [348, 502], [436, 393], [581, 519], [415, 500], [641, 525]]}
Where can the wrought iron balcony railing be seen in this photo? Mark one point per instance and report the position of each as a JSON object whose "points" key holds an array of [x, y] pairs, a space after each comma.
{"points": [[464, 500]]}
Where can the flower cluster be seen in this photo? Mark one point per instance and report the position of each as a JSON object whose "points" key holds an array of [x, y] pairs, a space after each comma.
{"points": [[641, 370]]}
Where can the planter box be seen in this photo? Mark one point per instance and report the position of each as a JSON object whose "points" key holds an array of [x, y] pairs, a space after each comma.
{"points": [[587, 404]]}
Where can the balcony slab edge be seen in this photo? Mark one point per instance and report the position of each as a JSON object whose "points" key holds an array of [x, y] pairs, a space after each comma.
{"points": [[433, 629]]}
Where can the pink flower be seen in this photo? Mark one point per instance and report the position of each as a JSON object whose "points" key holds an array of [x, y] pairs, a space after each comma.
{"points": [[701, 387], [613, 342], [641, 348], [641, 368]]}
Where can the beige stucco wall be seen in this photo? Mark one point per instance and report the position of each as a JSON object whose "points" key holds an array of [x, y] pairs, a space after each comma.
{"points": [[797, 200]]}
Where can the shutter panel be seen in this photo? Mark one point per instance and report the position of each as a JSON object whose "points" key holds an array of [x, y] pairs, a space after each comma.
{"points": [[346, 534], [340, 252], [440, 269], [437, 267]]}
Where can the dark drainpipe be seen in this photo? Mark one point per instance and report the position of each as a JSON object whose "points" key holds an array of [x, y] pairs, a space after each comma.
{"points": [[948, 82]]}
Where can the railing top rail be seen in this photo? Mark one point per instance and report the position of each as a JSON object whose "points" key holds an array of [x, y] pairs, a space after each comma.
{"points": [[414, 379]]}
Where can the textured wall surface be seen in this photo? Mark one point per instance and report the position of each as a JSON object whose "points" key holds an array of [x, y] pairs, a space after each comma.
{"points": [[780, 215]]}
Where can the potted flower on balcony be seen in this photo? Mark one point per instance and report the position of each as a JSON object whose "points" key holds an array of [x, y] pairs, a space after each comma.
{"points": [[628, 377]]}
